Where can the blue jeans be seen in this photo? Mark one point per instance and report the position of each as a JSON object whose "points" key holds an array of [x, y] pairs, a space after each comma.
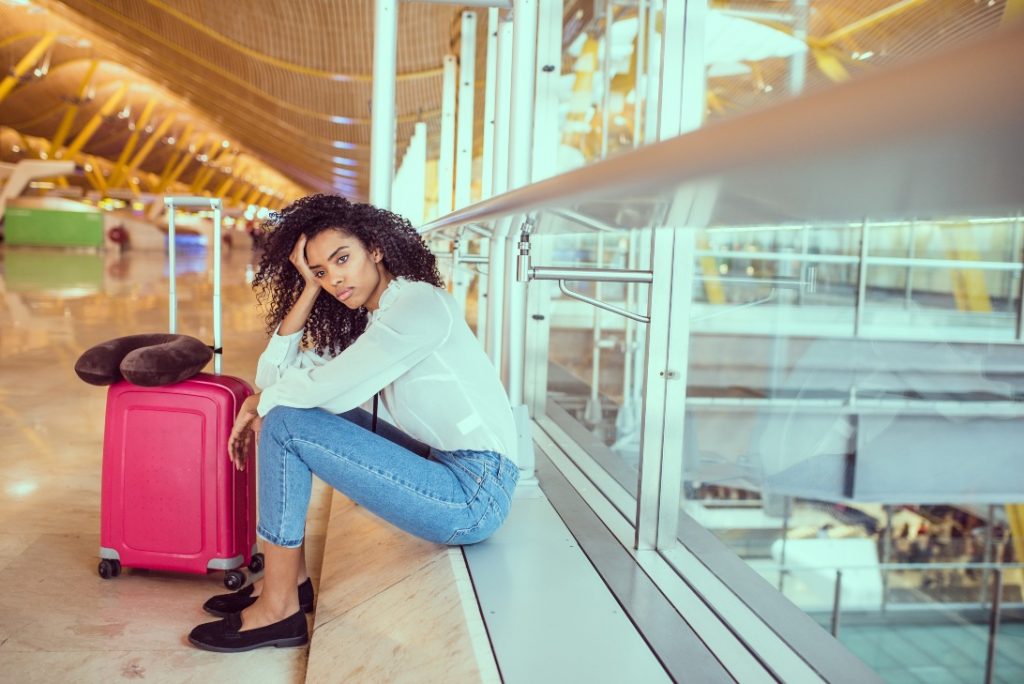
{"points": [[448, 497]]}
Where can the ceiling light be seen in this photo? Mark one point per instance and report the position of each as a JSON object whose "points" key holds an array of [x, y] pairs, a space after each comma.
{"points": [[342, 145], [345, 161]]}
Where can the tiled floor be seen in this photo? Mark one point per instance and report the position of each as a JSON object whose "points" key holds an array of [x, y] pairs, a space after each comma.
{"points": [[58, 620]]}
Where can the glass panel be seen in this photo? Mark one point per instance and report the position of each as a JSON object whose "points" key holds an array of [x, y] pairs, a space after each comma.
{"points": [[807, 433], [596, 358]]}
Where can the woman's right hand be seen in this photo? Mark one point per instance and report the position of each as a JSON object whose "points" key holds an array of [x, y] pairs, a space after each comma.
{"points": [[298, 259]]}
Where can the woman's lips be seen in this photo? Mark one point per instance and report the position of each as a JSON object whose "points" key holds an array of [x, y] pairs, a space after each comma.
{"points": [[344, 294]]}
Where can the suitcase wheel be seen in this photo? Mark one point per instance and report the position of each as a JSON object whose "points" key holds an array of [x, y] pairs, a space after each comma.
{"points": [[256, 564], [109, 568], [234, 579]]}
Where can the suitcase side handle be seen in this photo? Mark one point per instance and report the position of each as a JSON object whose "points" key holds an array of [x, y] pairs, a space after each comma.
{"points": [[214, 203]]}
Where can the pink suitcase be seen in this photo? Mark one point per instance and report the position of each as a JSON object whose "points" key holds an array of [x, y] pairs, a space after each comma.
{"points": [[171, 498]]}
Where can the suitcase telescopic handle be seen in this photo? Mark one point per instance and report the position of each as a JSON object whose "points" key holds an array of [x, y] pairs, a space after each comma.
{"points": [[215, 205]]}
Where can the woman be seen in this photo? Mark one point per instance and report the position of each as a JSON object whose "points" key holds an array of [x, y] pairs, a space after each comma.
{"points": [[356, 307]]}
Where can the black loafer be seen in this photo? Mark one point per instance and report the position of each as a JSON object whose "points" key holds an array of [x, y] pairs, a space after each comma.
{"points": [[223, 605], [223, 636]]}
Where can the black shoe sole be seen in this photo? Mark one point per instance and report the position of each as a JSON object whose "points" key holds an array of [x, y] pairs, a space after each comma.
{"points": [[306, 608], [278, 643]]}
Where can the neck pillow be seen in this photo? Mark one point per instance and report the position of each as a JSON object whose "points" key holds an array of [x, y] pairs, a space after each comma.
{"points": [[149, 360]]}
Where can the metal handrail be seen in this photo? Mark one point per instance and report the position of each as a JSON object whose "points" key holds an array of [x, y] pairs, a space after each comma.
{"points": [[752, 157]]}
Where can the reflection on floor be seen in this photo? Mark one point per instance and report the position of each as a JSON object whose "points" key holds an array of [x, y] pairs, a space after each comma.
{"points": [[58, 620]]}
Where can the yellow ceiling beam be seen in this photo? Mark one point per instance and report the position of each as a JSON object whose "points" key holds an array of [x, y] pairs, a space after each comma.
{"points": [[867, 22], [91, 127], [183, 163], [237, 197], [1013, 11], [72, 111], [26, 63], [147, 147], [117, 177], [830, 65], [226, 185], [253, 196], [204, 177], [209, 154], [180, 149]]}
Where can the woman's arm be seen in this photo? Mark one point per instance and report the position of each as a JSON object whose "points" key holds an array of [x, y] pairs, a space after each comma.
{"points": [[401, 337], [283, 348], [296, 318]]}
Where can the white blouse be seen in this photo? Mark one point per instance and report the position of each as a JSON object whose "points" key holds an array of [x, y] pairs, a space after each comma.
{"points": [[438, 384]]}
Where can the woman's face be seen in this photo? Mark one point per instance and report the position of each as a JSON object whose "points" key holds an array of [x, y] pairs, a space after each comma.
{"points": [[346, 269]]}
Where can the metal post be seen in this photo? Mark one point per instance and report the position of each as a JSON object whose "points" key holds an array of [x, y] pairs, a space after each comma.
{"points": [[908, 288], [592, 412], [446, 155], [862, 280], [524, 51], [1020, 284], [467, 91], [1017, 242], [886, 554], [217, 346], [988, 557], [787, 503], [382, 127], [836, 603], [490, 88], [172, 267], [993, 626]]}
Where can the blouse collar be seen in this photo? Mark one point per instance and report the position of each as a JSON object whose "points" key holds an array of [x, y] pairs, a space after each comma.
{"points": [[387, 297]]}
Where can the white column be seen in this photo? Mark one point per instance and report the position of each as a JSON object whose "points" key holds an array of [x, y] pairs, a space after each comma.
{"points": [[382, 127], [524, 60], [409, 197], [446, 157], [683, 95], [496, 246], [467, 91], [546, 131], [652, 85], [490, 88], [798, 62], [502, 103]]}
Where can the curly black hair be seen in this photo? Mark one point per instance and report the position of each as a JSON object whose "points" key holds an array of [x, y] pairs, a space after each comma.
{"points": [[332, 326]]}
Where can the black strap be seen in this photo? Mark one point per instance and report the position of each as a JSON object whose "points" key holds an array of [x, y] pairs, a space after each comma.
{"points": [[373, 424]]}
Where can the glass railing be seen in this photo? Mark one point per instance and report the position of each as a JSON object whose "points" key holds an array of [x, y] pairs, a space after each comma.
{"points": [[801, 331]]}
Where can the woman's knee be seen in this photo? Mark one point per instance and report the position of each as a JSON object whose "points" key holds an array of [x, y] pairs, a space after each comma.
{"points": [[281, 420]]}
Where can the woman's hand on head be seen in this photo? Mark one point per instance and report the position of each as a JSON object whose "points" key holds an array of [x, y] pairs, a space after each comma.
{"points": [[245, 431], [298, 259]]}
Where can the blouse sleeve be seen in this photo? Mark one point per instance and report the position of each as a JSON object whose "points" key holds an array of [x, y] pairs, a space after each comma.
{"points": [[401, 335], [283, 352]]}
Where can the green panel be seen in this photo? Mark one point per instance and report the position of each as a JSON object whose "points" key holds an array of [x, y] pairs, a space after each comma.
{"points": [[46, 227], [52, 271]]}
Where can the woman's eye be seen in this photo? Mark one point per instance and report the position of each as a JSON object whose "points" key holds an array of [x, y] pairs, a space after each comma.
{"points": [[319, 274], [342, 259]]}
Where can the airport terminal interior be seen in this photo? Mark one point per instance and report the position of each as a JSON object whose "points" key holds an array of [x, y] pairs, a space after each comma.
{"points": [[751, 273]]}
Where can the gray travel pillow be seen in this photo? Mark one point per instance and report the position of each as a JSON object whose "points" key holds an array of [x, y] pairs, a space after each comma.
{"points": [[149, 360]]}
